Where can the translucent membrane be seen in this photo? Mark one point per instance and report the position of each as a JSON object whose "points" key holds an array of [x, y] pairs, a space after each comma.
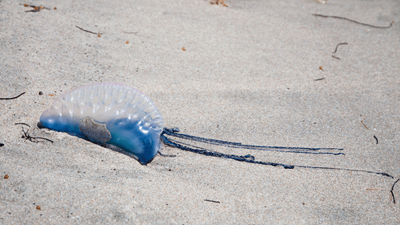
{"points": [[95, 111]]}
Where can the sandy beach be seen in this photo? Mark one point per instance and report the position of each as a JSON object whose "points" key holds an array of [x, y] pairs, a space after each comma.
{"points": [[255, 72]]}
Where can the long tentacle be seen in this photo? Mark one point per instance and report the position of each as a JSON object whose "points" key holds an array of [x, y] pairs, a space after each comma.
{"points": [[173, 132], [245, 158]]}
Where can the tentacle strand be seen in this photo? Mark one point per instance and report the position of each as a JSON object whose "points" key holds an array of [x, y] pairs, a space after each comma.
{"points": [[173, 132], [245, 158]]}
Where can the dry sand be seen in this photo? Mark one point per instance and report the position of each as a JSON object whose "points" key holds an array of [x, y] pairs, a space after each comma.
{"points": [[247, 75]]}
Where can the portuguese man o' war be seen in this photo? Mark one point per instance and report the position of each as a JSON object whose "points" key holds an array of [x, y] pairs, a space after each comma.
{"points": [[108, 113], [120, 115]]}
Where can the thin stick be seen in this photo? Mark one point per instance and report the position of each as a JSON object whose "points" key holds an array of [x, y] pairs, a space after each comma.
{"points": [[208, 200], [33, 6], [319, 79], [80, 28], [376, 139], [391, 191], [22, 124], [335, 57], [344, 43], [364, 24], [364, 125], [12, 97]]}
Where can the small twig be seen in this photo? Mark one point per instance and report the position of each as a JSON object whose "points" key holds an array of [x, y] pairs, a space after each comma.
{"points": [[218, 2], [344, 18], [344, 43], [319, 79], [208, 200], [35, 8], [364, 125], [391, 191], [80, 28], [12, 97], [27, 136], [376, 139], [22, 124]]}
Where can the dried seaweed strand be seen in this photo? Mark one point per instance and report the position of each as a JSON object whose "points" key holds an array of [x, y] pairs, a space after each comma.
{"points": [[22, 124], [80, 28], [376, 139], [13, 97], [213, 201], [364, 24], [27, 136], [35, 8], [344, 43], [391, 191]]}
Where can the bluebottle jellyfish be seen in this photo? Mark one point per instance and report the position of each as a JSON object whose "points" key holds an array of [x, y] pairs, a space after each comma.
{"points": [[108, 113], [120, 115]]}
